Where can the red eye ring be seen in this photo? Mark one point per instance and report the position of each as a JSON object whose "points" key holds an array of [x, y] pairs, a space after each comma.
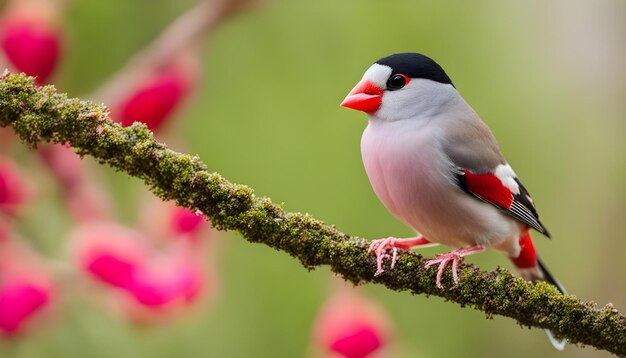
{"points": [[397, 81]]}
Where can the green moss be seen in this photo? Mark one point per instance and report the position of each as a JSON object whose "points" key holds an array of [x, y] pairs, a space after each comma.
{"points": [[39, 114]]}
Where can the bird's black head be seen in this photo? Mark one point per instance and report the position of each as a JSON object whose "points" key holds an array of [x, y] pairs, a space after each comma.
{"points": [[416, 65], [401, 86]]}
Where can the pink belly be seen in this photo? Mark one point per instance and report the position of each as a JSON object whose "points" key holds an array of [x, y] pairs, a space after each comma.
{"points": [[412, 178]]}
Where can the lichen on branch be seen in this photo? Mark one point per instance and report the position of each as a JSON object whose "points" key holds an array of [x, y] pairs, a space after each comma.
{"points": [[41, 114]]}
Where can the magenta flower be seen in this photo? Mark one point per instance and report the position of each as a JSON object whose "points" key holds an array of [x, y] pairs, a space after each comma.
{"points": [[125, 260], [166, 280], [109, 253], [154, 100], [19, 301], [186, 222], [26, 288], [14, 190], [351, 326], [168, 222], [31, 44]]}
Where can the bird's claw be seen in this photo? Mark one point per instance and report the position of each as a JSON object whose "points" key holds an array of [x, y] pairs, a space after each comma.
{"points": [[455, 257], [443, 260], [380, 247]]}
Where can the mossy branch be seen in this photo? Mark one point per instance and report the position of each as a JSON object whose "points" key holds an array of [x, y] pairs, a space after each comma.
{"points": [[40, 114]]}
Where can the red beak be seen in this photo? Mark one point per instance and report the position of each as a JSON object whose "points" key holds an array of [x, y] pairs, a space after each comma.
{"points": [[365, 96]]}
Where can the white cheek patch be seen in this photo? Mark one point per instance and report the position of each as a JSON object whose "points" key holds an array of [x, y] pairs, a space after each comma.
{"points": [[378, 75], [507, 176], [420, 99]]}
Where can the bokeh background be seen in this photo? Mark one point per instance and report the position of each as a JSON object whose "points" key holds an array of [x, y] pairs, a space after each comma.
{"points": [[548, 77]]}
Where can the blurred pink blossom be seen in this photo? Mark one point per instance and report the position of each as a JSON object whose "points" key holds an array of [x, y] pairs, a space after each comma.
{"points": [[30, 42], [186, 222], [125, 259], [25, 287], [351, 326], [18, 302], [170, 222], [166, 279], [154, 99], [14, 189], [110, 253]]}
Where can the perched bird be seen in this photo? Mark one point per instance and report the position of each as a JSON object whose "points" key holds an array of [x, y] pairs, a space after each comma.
{"points": [[437, 167]]}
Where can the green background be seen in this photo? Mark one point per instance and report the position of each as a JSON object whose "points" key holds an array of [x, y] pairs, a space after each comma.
{"points": [[267, 114]]}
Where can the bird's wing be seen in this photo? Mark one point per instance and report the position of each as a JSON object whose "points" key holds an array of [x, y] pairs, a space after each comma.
{"points": [[481, 170], [504, 192]]}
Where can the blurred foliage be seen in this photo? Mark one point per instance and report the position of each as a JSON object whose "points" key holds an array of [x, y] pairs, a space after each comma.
{"points": [[267, 115]]}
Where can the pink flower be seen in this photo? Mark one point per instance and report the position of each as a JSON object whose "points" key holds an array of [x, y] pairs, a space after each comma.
{"points": [[31, 44], [109, 253], [14, 190], [25, 287], [186, 222], [124, 259], [166, 280], [154, 99], [111, 269], [18, 302], [169, 222], [351, 326], [162, 291]]}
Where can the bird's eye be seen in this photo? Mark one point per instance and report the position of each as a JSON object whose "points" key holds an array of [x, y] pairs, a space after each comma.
{"points": [[397, 81]]}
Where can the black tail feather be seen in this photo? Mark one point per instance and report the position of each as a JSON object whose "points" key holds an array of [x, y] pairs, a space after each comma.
{"points": [[559, 344], [547, 276]]}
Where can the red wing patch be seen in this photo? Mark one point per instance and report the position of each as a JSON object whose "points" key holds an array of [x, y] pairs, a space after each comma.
{"points": [[489, 188]]}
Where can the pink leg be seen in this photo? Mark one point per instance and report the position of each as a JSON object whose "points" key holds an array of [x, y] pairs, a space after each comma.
{"points": [[455, 257], [380, 247]]}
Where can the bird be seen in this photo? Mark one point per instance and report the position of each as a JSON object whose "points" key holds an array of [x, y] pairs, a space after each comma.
{"points": [[437, 167]]}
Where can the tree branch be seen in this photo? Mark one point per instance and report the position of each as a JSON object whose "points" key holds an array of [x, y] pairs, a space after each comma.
{"points": [[40, 114]]}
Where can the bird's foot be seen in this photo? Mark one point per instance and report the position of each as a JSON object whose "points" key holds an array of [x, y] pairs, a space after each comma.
{"points": [[454, 257], [381, 246]]}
